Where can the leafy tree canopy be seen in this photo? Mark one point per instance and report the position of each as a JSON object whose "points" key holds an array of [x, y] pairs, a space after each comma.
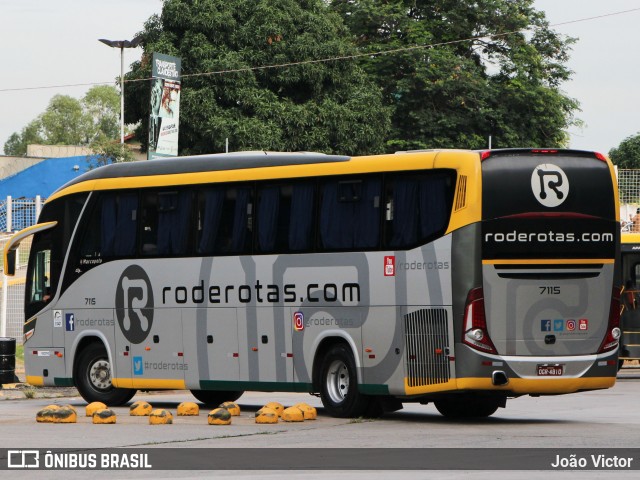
{"points": [[627, 154], [69, 121], [471, 84], [330, 107]]}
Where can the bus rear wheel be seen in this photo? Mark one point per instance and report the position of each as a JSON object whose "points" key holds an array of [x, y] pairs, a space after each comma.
{"points": [[215, 397], [339, 384], [468, 406], [92, 378]]}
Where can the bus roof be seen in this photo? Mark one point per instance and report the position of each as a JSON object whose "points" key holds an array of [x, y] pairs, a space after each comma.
{"points": [[243, 166]]}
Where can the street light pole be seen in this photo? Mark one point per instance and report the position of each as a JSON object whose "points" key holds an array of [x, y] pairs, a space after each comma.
{"points": [[122, 44]]}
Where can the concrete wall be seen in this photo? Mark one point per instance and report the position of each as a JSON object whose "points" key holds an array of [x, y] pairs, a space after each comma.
{"points": [[10, 166], [57, 151]]}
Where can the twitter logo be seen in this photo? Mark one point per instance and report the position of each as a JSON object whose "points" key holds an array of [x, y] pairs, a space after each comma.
{"points": [[138, 366]]}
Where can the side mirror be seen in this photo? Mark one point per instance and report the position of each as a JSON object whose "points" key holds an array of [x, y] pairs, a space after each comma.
{"points": [[10, 263]]}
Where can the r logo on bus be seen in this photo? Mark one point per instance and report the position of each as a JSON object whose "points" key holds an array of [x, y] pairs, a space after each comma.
{"points": [[549, 184], [134, 304]]}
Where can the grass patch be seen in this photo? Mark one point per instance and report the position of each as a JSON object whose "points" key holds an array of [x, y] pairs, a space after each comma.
{"points": [[20, 352], [29, 392]]}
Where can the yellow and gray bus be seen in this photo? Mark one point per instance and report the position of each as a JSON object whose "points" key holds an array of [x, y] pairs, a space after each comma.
{"points": [[630, 278], [456, 277]]}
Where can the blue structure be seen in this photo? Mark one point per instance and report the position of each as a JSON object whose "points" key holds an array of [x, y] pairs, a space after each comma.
{"points": [[44, 178], [41, 179]]}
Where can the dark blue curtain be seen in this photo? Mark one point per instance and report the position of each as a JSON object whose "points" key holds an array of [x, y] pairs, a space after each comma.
{"points": [[173, 223], [419, 209], [239, 232], [125, 240], [267, 218], [108, 225], [405, 213], [366, 232], [336, 219], [351, 223], [433, 205], [301, 219], [213, 202]]}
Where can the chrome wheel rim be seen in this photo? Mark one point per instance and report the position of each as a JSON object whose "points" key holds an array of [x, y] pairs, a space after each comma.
{"points": [[337, 381], [100, 375]]}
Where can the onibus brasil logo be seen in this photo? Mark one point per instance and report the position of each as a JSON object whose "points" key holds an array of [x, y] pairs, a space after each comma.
{"points": [[550, 185], [134, 304]]}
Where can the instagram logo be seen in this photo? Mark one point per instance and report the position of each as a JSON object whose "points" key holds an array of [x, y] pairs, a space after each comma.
{"points": [[298, 321]]}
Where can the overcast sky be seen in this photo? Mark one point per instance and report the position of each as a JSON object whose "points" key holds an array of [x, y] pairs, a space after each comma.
{"points": [[46, 43]]}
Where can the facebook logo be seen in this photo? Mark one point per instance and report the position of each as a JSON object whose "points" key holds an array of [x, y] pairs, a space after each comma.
{"points": [[138, 366], [545, 325], [70, 322]]}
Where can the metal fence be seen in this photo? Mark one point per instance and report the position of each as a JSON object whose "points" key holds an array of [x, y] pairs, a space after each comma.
{"points": [[15, 214], [12, 293], [19, 213], [629, 190]]}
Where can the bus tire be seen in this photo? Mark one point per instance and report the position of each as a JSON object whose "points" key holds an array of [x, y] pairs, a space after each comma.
{"points": [[339, 384], [468, 406], [92, 378], [216, 397]]}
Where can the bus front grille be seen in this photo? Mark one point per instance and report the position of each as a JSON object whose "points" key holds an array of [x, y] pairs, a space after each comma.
{"points": [[426, 352]]}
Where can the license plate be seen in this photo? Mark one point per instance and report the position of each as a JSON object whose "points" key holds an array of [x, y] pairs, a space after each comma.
{"points": [[550, 370]]}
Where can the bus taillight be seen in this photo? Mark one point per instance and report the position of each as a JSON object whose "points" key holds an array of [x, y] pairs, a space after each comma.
{"points": [[475, 323], [613, 329]]}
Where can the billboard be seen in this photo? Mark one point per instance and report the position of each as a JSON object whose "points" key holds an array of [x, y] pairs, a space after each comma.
{"points": [[165, 107]]}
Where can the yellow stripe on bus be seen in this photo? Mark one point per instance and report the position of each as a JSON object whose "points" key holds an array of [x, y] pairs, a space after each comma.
{"points": [[151, 383], [35, 380], [516, 385], [539, 386], [437, 387]]}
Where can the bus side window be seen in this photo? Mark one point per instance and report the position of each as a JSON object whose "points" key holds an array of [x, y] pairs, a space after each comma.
{"points": [[174, 218], [40, 287], [350, 214], [417, 208], [268, 215], [225, 217], [302, 215], [111, 228], [149, 223]]}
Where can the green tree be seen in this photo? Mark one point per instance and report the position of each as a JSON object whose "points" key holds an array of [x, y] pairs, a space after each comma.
{"points": [[325, 106], [69, 121], [17, 143], [63, 122], [106, 151], [627, 154], [101, 105], [469, 85]]}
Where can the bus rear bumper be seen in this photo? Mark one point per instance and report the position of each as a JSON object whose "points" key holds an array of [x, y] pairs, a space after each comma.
{"points": [[545, 375]]}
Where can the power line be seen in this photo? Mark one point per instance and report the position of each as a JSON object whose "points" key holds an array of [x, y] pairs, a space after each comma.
{"points": [[332, 59]]}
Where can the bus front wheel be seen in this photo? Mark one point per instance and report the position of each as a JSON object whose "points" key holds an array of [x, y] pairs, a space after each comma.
{"points": [[339, 384], [92, 378], [215, 397]]}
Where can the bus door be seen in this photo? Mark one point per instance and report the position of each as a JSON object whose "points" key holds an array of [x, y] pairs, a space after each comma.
{"points": [[630, 319]]}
